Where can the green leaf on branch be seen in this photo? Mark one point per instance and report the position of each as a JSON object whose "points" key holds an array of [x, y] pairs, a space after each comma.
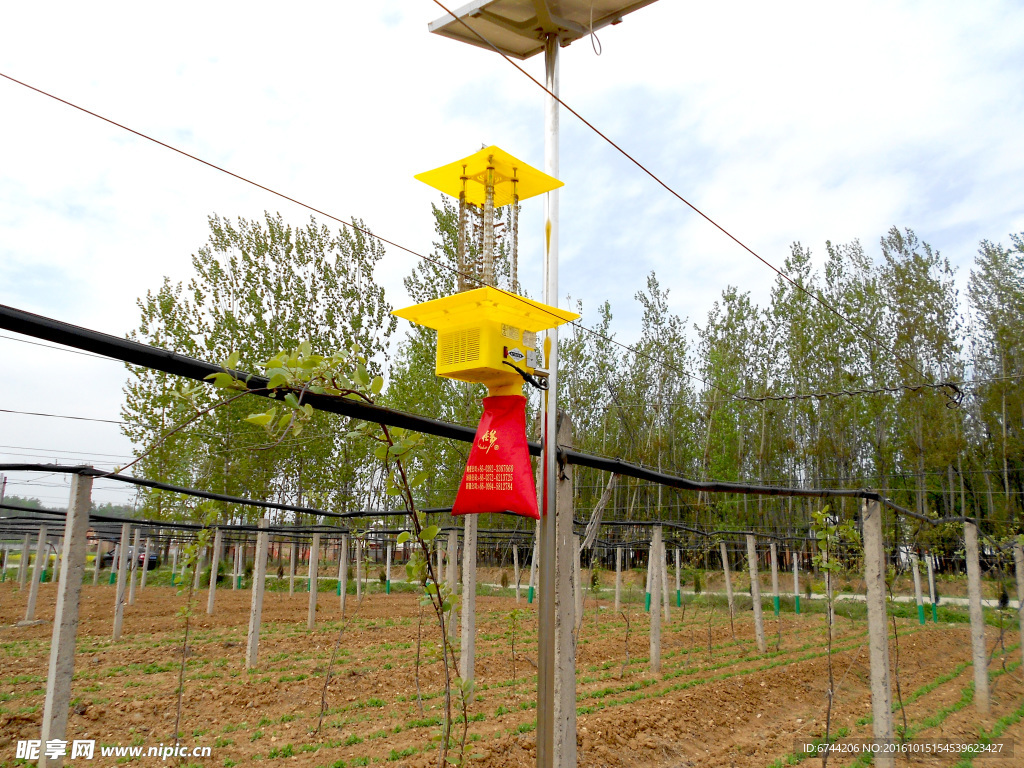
{"points": [[429, 534], [222, 380], [403, 537], [277, 380], [261, 419]]}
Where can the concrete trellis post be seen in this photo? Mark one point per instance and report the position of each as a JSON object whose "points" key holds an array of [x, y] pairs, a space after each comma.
{"points": [[655, 609], [96, 562], [174, 564], [618, 580], [314, 580], [515, 568], [236, 572], [293, 555], [878, 631], [343, 573], [133, 573], [259, 578], [647, 584], [917, 589], [58, 560], [26, 544], [932, 596], [37, 573], [755, 592], [387, 572], [122, 572], [679, 589], [577, 582], [453, 580], [533, 573], [728, 587], [218, 548], [198, 570], [774, 550], [978, 649], [1018, 562], [145, 562], [439, 555], [796, 582], [468, 649], [568, 605], [65, 619], [663, 569], [359, 570]]}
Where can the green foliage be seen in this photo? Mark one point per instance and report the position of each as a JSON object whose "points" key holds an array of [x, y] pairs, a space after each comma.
{"points": [[258, 286]]}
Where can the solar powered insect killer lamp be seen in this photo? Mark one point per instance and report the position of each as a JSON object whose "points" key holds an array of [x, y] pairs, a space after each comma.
{"points": [[487, 335]]}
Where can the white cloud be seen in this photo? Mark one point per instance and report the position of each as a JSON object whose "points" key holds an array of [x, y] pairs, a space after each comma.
{"points": [[801, 121]]}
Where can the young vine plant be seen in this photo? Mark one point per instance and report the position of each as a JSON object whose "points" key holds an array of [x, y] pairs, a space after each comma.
{"points": [[292, 376]]}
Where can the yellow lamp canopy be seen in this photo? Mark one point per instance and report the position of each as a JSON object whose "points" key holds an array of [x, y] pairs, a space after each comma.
{"points": [[512, 178], [483, 332]]}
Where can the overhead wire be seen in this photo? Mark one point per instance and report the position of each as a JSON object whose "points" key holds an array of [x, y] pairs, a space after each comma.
{"points": [[817, 298], [438, 263], [351, 225]]}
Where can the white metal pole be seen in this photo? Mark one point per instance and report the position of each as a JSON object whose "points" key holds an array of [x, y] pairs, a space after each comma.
{"points": [[546, 610]]}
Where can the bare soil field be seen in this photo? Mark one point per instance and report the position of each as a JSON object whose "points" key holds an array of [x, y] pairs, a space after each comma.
{"points": [[716, 703]]}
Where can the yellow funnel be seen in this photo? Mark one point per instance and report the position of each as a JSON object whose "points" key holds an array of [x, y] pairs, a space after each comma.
{"points": [[482, 333], [528, 180]]}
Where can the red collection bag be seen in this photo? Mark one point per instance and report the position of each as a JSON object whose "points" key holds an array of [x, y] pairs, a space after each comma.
{"points": [[498, 476]]}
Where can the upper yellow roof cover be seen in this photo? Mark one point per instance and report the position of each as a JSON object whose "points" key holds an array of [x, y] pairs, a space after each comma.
{"points": [[529, 181], [485, 303]]}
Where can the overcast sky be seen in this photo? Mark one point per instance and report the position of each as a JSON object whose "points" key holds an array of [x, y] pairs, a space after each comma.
{"points": [[784, 121]]}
